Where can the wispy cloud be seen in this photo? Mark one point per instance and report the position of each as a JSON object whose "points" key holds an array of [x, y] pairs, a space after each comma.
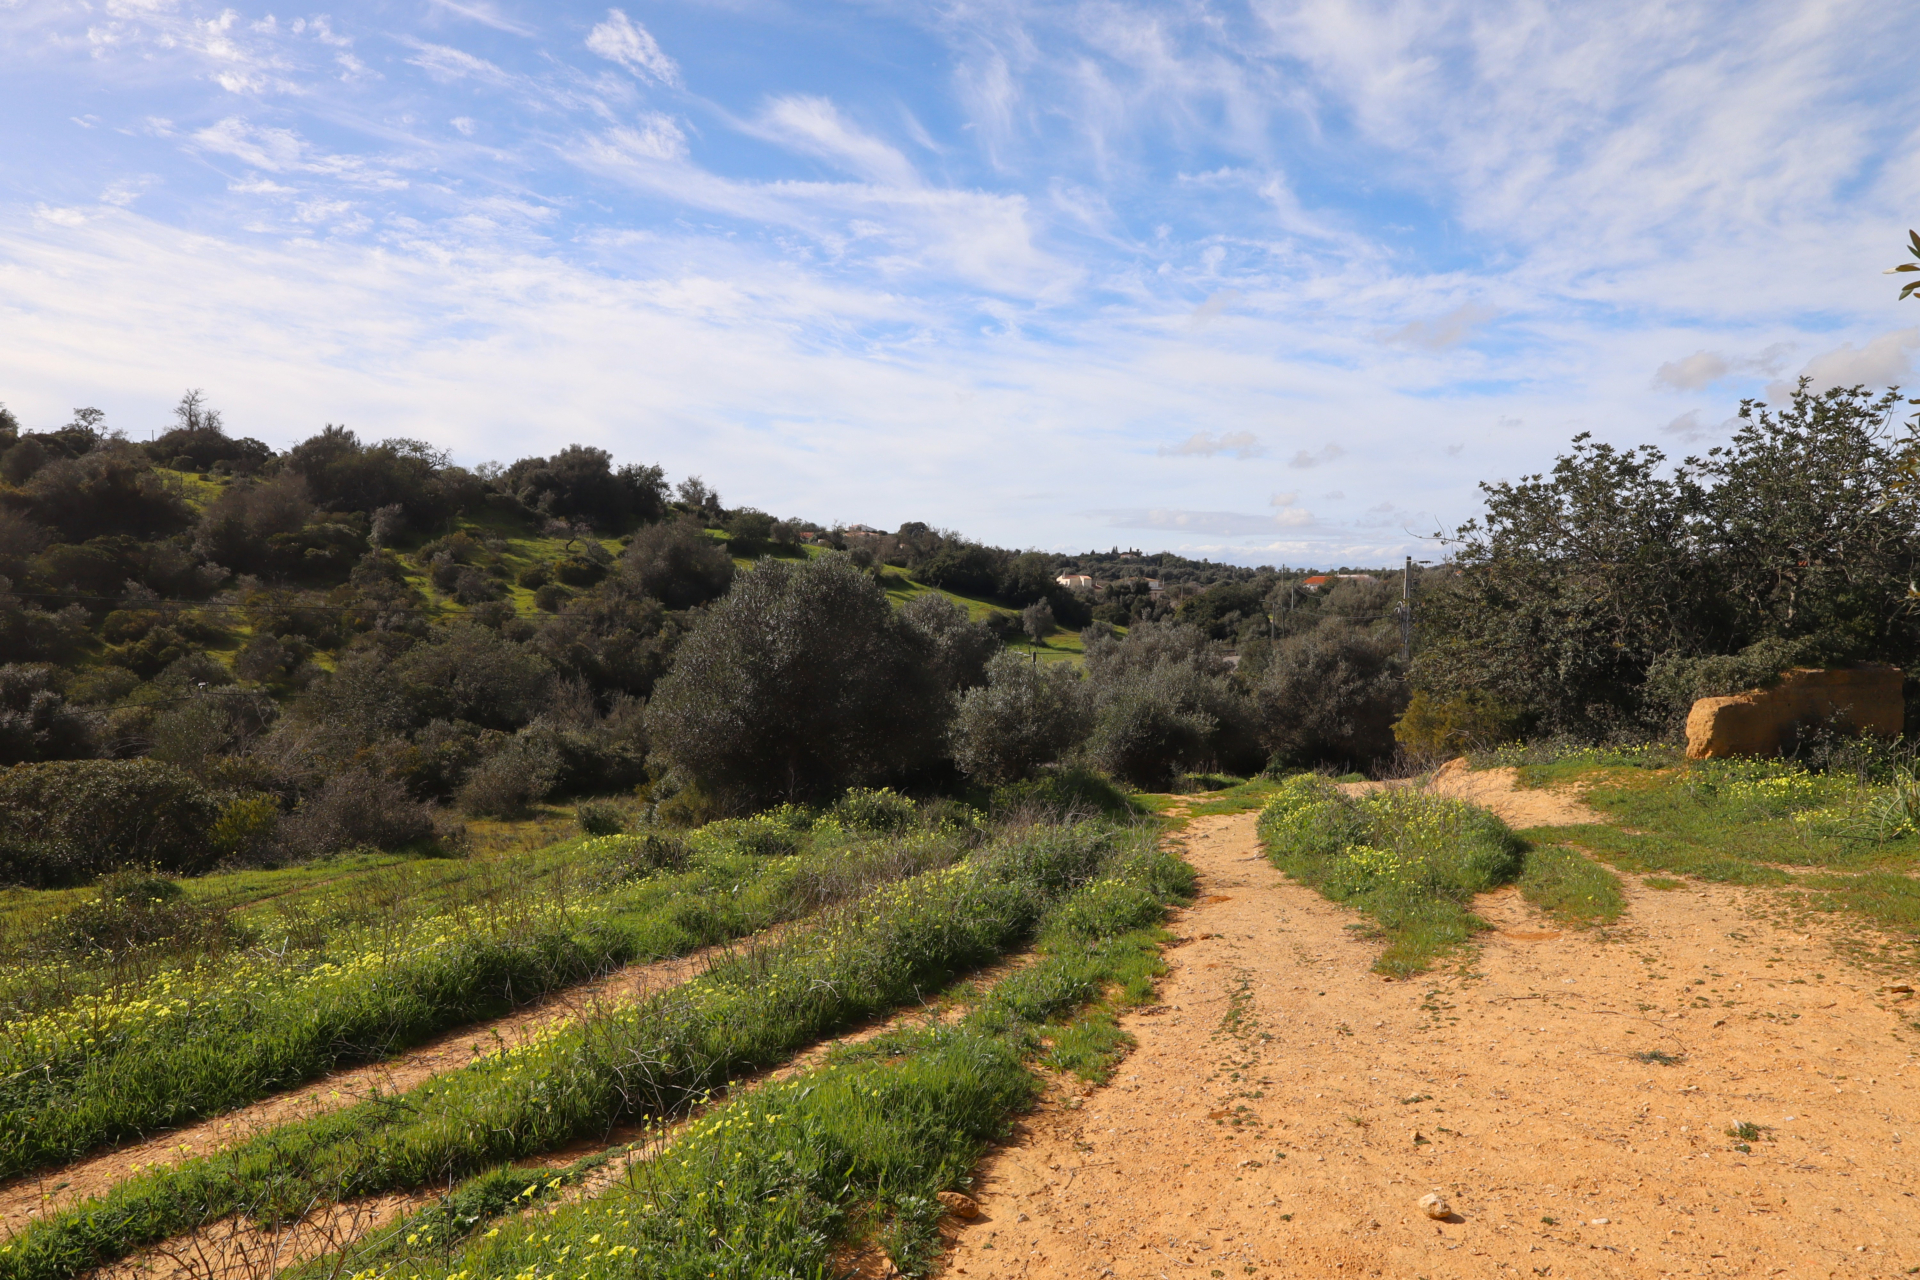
{"points": [[1448, 330], [1415, 243], [1204, 444], [1326, 453], [487, 15], [813, 125], [620, 39]]}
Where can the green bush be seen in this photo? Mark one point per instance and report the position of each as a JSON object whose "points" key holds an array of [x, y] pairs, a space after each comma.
{"points": [[136, 910], [1471, 720], [598, 818], [66, 821], [874, 809], [1066, 791]]}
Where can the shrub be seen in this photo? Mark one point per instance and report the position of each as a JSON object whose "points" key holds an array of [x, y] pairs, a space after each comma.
{"points": [[1066, 795], [874, 809], [1410, 859], [1037, 621], [36, 722], [597, 818], [677, 564], [66, 821], [246, 826], [355, 808], [621, 857], [960, 648], [137, 910], [513, 779], [1330, 695], [1144, 735], [1467, 721], [1023, 717], [801, 683]]}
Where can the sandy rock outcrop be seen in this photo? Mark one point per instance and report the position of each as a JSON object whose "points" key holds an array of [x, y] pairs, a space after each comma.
{"points": [[1760, 721]]}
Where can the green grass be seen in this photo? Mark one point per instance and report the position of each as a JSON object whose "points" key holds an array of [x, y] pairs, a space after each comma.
{"points": [[1411, 860], [1853, 835], [1571, 886], [855, 1151], [1649, 853], [1237, 796], [394, 958], [652, 1058]]}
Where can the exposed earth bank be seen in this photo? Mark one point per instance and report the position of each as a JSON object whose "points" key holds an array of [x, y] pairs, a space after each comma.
{"points": [[1569, 1094]]}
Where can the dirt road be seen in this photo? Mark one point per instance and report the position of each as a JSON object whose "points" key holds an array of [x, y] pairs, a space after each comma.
{"points": [[1569, 1094]]}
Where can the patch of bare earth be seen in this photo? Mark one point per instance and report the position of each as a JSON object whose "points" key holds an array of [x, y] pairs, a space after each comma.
{"points": [[1497, 789], [1286, 1108], [51, 1190]]}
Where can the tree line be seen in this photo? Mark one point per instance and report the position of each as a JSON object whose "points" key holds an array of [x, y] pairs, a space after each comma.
{"points": [[273, 654]]}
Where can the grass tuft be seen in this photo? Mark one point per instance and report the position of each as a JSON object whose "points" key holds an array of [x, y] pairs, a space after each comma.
{"points": [[1571, 886], [1411, 860]]}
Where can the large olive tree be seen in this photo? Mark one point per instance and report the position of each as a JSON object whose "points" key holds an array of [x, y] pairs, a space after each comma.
{"points": [[801, 682]]}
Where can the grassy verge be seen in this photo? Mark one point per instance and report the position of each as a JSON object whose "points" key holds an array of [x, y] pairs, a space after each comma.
{"points": [[194, 1041], [647, 1059], [1409, 859], [1571, 886], [1647, 853], [780, 1181]]}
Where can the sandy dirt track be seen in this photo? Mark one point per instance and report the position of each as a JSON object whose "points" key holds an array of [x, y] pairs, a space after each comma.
{"points": [[1286, 1107]]}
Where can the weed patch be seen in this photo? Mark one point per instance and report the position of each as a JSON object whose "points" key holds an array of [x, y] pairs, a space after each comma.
{"points": [[649, 1059], [1571, 886], [775, 1181], [1409, 859]]}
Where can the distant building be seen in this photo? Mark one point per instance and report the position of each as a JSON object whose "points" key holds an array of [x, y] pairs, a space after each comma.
{"points": [[1320, 580], [1076, 581], [1153, 585]]}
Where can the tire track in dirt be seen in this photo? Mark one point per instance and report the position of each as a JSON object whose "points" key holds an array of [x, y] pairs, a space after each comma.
{"points": [[1285, 1107], [33, 1195], [234, 1248]]}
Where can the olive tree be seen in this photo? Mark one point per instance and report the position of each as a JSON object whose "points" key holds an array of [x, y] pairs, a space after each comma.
{"points": [[801, 682], [1024, 716]]}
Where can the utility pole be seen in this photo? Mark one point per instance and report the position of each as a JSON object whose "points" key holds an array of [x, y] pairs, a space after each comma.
{"points": [[1406, 615]]}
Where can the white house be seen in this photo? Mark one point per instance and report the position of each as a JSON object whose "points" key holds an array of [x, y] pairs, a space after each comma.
{"points": [[1076, 581]]}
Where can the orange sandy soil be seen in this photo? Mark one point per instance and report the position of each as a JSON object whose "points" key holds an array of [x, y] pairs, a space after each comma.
{"points": [[1286, 1107]]}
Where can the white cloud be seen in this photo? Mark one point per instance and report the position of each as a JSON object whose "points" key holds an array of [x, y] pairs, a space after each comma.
{"points": [[127, 190], [1448, 330], [815, 126], [1214, 306], [443, 62], [274, 150], [1284, 499], [1694, 372], [654, 137], [464, 124], [486, 15], [1204, 444], [1328, 452], [1703, 368], [1220, 523], [1883, 361], [620, 39], [60, 217]]}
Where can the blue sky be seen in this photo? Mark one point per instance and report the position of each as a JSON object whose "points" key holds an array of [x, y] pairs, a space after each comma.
{"points": [[1267, 282]]}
